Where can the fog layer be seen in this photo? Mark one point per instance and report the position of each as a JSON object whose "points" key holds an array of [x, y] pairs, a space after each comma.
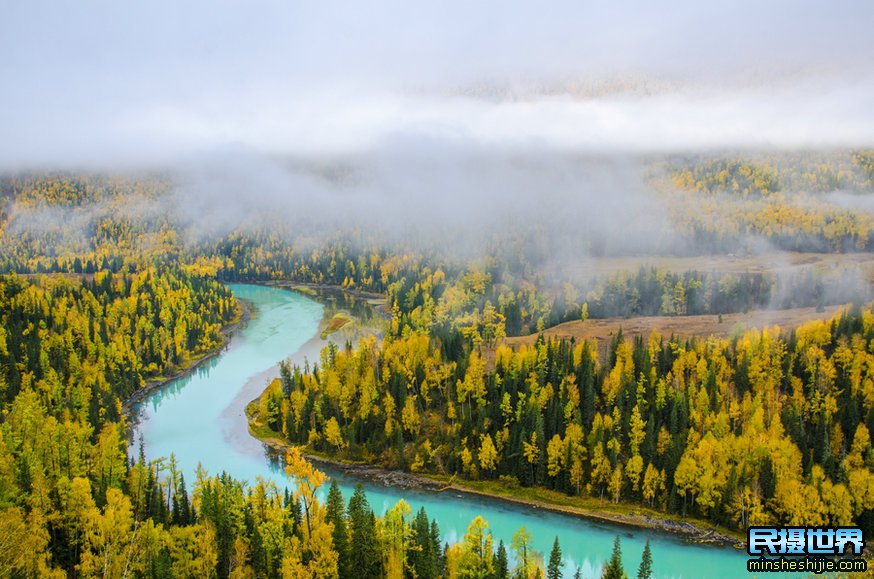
{"points": [[97, 83]]}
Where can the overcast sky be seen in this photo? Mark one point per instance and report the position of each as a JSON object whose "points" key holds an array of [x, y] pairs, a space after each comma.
{"points": [[108, 82]]}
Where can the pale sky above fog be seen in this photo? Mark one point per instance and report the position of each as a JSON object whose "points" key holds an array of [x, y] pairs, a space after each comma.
{"points": [[107, 82]]}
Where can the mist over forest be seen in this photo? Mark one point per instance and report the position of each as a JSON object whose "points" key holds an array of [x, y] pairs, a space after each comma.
{"points": [[318, 120], [561, 138]]}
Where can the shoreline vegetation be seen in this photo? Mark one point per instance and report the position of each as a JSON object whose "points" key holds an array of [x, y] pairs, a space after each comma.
{"points": [[623, 513], [247, 310], [589, 508], [245, 313]]}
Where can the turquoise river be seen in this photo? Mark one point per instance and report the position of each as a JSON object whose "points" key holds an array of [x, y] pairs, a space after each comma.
{"points": [[200, 418]]}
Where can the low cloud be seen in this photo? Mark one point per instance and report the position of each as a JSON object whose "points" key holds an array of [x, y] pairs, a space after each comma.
{"points": [[98, 83]]}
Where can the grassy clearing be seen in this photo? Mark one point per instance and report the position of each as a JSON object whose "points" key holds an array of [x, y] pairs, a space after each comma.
{"points": [[257, 428], [723, 326], [336, 323], [775, 261], [303, 289]]}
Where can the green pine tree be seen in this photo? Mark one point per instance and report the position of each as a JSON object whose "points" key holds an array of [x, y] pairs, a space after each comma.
{"points": [[614, 569], [364, 554], [645, 569], [438, 561], [502, 566], [420, 558], [553, 570], [336, 515]]}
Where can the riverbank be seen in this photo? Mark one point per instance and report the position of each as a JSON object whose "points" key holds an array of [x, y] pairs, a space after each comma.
{"points": [[247, 310], [589, 508], [313, 289]]}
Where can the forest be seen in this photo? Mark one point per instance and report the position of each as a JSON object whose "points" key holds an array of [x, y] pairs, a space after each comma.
{"points": [[72, 503], [787, 199], [770, 427], [105, 293], [401, 290]]}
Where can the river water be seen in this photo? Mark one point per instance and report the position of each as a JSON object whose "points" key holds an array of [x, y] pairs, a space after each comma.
{"points": [[201, 419]]}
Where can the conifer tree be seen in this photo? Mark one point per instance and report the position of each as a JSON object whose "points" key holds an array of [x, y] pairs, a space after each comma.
{"points": [[614, 569], [502, 568], [335, 514], [364, 554], [553, 570], [645, 569], [438, 560]]}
